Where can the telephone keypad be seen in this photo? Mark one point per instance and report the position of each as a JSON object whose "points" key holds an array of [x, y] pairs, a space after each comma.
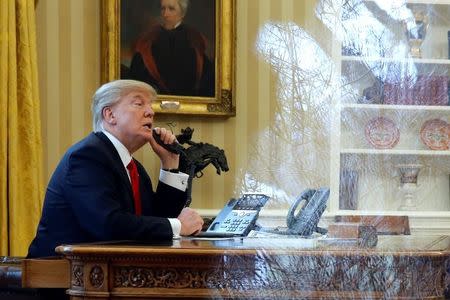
{"points": [[238, 216], [237, 221]]}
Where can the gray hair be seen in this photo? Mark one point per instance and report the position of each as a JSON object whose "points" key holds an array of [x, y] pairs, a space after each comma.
{"points": [[110, 93], [184, 4]]}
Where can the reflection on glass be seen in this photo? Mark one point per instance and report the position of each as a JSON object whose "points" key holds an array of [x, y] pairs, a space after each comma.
{"points": [[354, 110], [326, 97], [293, 153]]}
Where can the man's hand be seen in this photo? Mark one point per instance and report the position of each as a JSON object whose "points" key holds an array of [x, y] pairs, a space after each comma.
{"points": [[191, 222], [168, 159]]}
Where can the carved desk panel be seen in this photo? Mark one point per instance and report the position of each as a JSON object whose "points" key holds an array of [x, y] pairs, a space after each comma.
{"points": [[400, 266]]}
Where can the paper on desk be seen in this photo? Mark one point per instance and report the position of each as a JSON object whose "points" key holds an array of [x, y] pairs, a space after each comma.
{"points": [[204, 238], [280, 240], [255, 233]]}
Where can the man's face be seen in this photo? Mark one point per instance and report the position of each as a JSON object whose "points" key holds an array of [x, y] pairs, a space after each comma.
{"points": [[170, 13], [133, 116]]}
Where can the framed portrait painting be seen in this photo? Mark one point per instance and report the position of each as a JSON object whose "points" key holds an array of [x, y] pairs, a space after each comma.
{"points": [[183, 48]]}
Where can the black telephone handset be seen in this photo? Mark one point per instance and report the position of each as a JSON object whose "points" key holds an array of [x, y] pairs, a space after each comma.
{"points": [[175, 147], [303, 221], [238, 217]]}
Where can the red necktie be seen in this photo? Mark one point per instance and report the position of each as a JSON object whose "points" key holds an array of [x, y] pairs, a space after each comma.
{"points": [[134, 176]]}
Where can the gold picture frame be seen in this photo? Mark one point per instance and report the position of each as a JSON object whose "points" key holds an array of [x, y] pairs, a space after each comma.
{"points": [[221, 104]]}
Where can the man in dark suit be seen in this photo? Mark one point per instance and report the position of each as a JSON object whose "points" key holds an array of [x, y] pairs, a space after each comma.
{"points": [[172, 57], [90, 196]]}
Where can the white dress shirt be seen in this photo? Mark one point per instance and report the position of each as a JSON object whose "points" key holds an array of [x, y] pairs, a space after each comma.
{"points": [[176, 180]]}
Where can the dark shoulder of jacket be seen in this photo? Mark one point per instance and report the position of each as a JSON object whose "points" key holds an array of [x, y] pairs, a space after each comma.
{"points": [[197, 39], [96, 143], [148, 37]]}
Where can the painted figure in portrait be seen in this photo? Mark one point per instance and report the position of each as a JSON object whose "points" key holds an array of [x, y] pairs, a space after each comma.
{"points": [[165, 50]]}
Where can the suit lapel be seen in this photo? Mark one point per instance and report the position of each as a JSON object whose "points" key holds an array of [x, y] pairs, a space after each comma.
{"points": [[116, 162]]}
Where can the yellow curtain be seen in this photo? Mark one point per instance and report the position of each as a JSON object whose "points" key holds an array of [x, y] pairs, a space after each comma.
{"points": [[21, 179]]}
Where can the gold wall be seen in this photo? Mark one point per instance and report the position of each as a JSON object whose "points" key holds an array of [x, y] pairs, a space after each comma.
{"points": [[69, 73]]}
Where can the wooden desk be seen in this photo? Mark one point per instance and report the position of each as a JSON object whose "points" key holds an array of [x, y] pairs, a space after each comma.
{"points": [[400, 266]]}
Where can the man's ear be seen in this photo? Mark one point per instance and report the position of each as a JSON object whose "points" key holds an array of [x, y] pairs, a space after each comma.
{"points": [[108, 115]]}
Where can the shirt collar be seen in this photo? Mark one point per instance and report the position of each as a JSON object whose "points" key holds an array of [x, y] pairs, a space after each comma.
{"points": [[174, 27], [124, 154]]}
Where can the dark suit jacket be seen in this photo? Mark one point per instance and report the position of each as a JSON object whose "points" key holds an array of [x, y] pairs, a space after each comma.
{"points": [[89, 198]]}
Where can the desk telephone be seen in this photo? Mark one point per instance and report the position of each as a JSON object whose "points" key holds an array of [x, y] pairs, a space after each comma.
{"points": [[239, 216]]}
